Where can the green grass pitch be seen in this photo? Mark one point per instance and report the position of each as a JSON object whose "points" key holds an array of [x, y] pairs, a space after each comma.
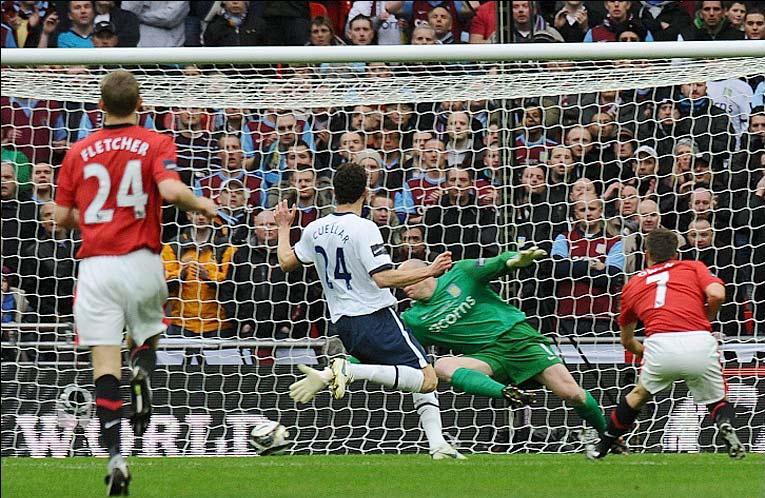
{"points": [[390, 476]]}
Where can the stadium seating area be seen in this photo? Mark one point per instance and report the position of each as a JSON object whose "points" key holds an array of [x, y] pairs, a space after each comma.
{"points": [[472, 177]]}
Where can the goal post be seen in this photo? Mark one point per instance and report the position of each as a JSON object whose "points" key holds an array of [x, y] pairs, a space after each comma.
{"points": [[579, 116]]}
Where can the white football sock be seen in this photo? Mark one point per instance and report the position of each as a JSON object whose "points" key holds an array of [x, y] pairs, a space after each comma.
{"points": [[406, 379], [430, 418]]}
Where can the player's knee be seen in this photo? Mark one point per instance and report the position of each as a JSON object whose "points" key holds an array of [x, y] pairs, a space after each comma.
{"points": [[444, 369], [429, 381], [572, 394]]}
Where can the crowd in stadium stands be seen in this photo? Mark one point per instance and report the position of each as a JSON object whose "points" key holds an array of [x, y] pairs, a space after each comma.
{"points": [[586, 177]]}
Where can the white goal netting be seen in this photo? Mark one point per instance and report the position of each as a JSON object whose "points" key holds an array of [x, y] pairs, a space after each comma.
{"points": [[475, 158]]}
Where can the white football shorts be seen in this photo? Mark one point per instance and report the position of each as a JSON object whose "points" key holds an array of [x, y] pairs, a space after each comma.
{"points": [[118, 292], [689, 356]]}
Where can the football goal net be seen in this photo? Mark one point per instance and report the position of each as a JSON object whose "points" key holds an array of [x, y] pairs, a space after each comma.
{"points": [[471, 149]]}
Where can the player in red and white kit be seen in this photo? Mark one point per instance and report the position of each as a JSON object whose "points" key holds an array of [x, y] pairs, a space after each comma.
{"points": [[111, 186], [675, 300]]}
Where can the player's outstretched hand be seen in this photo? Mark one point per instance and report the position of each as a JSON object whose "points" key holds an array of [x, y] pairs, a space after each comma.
{"points": [[525, 258], [283, 214], [441, 264], [207, 207]]}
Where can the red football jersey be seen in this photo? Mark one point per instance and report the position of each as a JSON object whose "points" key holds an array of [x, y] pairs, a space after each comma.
{"points": [[668, 297], [111, 177]]}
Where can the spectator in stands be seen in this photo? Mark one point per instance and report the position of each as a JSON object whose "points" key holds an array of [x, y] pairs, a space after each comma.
{"points": [[196, 262], [381, 212], [361, 31], [489, 179], [537, 217], [21, 163], [586, 160], [745, 166], [268, 303], [461, 140], [350, 142], [195, 143], [735, 12], [14, 304], [526, 23], [412, 244], [48, 269], [712, 24], [231, 157], [34, 127], [387, 26], [22, 23], [621, 209], [710, 126], [681, 179], [235, 25], [372, 162], [42, 183], [126, 24], [233, 212], [532, 141], [649, 218], [457, 223], [588, 264], [720, 260], [581, 187], [441, 20], [666, 21], [424, 35], [416, 13], [662, 131], [273, 162], [81, 15], [323, 32], [18, 216], [162, 22], [390, 148], [560, 173], [105, 35], [413, 160], [753, 217], [311, 196], [618, 16], [734, 96], [483, 26], [426, 189], [288, 22], [572, 21], [645, 169], [754, 23]]}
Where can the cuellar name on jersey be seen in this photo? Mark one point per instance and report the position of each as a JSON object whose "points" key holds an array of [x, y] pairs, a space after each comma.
{"points": [[331, 229]]}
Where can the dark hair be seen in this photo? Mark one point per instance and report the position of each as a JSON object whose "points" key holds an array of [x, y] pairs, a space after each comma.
{"points": [[350, 182], [757, 111], [754, 9], [120, 93], [661, 243]]}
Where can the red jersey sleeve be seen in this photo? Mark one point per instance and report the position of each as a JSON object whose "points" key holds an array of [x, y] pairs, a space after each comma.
{"points": [[627, 314], [704, 276], [65, 187], [165, 161]]}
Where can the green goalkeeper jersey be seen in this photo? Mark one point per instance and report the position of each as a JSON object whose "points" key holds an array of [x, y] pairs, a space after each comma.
{"points": [[464, 314]]}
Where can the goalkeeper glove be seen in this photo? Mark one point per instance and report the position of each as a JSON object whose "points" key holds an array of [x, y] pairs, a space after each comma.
{"points": [[524, 258]]}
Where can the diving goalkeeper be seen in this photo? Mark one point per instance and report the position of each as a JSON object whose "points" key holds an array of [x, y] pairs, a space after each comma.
{"points": [[498, 348]]}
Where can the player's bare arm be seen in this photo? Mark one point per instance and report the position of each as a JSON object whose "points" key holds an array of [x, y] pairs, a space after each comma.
{"points": [[400, 278], [67, 217], [180, 195], [630, 343], [715, 298], [284, 216]]}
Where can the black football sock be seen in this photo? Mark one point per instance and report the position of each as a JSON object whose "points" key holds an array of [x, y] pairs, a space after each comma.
{"points": [[721, 412], [145, 357], [109, 412], [621, 419]]}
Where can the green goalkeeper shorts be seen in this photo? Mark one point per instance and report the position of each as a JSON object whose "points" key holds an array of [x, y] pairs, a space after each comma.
{"points": [[518, 355]]}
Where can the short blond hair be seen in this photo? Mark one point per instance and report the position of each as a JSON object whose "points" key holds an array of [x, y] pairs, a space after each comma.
{"points": [[120, 93]]}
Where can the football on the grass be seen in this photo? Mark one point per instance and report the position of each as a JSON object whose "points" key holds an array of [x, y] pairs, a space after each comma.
{"points": [[269, 438]]}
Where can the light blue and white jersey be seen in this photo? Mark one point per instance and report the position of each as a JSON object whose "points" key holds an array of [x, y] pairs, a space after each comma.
{"points": [[347, 250]]}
